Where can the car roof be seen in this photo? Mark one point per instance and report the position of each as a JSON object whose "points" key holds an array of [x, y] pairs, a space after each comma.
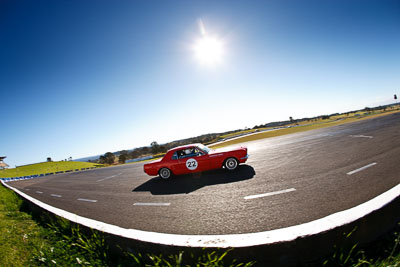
{"points": [[183, 147]]}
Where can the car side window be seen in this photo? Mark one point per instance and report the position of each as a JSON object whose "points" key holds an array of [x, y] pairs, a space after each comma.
{"points": [[188, 153], [180, 154], [198, 152]]}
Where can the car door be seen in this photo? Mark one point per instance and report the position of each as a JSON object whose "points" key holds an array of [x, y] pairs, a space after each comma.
{"points": [[203, 163], [194, 163], [174, 164]]}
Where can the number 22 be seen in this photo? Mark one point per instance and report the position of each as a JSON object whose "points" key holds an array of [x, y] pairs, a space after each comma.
{"points": [[191, 164]]}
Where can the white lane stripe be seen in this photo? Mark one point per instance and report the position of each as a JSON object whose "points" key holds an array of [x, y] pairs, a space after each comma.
{"points": [[109, 177], [54, 195], [39, 192], [87, 200], [361, 169], [361, 136], [151, 204], [270, 193]]}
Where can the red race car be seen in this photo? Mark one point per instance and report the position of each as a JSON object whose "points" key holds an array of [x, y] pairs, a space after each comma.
{"points": [[195, 158]]}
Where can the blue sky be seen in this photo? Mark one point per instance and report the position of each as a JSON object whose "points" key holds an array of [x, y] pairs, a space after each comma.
{"points": [[80, 78]]}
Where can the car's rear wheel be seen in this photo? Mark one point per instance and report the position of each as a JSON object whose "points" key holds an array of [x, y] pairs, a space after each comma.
{"points": [[231, 164], [164, 173]]}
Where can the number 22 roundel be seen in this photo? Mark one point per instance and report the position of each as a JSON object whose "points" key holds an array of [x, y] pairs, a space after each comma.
{"points": [[191, 164]]}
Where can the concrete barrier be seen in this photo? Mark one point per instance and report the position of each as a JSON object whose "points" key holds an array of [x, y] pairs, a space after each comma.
{"points": [[296, 245]]}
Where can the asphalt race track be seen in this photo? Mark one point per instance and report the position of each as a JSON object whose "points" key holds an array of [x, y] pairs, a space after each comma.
{"points": [[288, 180]]}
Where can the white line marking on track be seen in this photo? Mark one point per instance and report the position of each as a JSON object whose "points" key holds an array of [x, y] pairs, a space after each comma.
{"points": [[151, 204], [87, 200], [39, 192], [362, 168], [361, 136], [270, 193], [109, 177], [54, 195]]}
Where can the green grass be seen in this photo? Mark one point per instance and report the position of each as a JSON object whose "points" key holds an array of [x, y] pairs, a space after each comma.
{"points": [[46, 167], [25, 241], [383, 252], [17, 231]]}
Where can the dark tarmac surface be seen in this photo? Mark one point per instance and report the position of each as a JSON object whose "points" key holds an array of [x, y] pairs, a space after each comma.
{"points": [[314, 163]]}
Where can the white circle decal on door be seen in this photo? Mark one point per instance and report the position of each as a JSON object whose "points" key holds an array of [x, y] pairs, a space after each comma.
{"points": [[191, 164]]}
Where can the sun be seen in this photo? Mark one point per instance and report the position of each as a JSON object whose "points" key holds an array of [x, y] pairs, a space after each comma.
{"points": [[208, 49]]}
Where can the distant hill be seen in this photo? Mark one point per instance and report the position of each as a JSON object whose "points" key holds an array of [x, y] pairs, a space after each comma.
{"points": [[86, 159]]}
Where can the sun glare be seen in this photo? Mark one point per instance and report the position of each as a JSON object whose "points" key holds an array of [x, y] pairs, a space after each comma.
{"points": [[208, 49]]}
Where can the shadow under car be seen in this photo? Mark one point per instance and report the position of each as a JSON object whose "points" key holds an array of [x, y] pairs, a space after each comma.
{"points": [[184, 184]]}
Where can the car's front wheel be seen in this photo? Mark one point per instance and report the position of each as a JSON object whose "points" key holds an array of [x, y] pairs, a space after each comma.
{"points": [[231, 164], [164, 173]]}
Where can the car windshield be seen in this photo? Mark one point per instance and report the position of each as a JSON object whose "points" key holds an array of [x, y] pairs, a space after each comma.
{"points": [[204, 148]]}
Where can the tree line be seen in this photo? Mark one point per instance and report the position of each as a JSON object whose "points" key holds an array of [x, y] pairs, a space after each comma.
{"points": [[155, 148]]}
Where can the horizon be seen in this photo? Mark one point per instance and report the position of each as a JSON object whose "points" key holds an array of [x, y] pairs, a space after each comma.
{"points": [[131, 149], [84, 78]]}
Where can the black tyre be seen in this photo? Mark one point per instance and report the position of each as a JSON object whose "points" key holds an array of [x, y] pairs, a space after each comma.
{"points": [[230, 164], [164, 173]]}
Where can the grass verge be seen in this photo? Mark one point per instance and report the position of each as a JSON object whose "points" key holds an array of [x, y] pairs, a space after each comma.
{"points": [[46, 167], [383, 252]]}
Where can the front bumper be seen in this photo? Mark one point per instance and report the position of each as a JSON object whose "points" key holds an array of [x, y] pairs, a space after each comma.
{"points": [[242, 160]]}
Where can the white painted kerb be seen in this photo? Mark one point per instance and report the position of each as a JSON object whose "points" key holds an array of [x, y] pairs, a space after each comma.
{"points": [[234, 240]]}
